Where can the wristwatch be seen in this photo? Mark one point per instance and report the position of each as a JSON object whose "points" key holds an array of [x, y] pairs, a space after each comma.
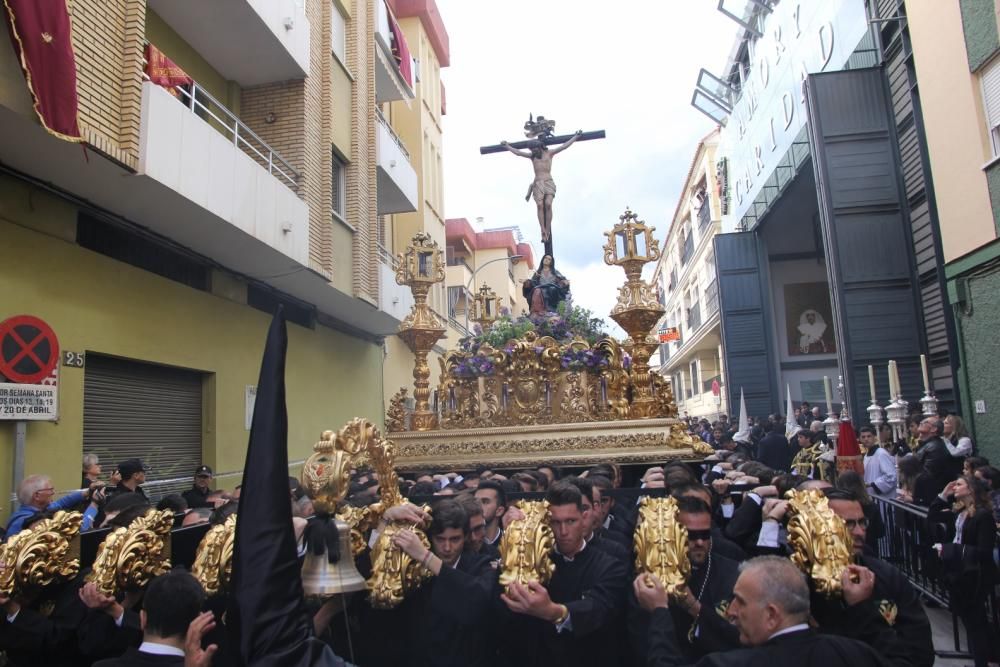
{"points": [[563, 616]]}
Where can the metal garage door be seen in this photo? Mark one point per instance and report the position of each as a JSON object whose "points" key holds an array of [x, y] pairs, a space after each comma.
{"points": [[132, 409]]}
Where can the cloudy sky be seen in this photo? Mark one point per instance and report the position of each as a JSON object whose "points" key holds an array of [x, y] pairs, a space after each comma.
{"points": [[627, 67]]}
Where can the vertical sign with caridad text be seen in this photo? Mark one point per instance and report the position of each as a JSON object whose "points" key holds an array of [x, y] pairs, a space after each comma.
{"points": [[29, 370]]}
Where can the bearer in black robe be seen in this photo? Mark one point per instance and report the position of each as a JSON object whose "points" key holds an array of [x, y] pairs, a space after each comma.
{"points": [[699, 617], [595, 538], [444, 623], [879, 596], [770, 609], [41, 628], [571, 620]]}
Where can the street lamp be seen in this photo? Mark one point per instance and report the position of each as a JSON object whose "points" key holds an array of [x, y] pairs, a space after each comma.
{"points": [[468, 288]]}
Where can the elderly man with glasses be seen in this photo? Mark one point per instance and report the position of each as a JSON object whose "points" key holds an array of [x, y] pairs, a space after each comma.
{"points": [[35, 494]]}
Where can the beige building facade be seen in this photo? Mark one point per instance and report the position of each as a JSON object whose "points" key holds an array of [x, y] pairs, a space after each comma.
{"points": [[494, 258], [159, 253], [956, 53], [686, 280]]}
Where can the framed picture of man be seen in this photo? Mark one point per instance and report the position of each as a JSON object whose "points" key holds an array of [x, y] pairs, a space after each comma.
{"points": [[809, 319]]}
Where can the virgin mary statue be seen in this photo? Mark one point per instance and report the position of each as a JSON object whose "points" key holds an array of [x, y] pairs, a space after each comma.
{"points": [[546, 288]]}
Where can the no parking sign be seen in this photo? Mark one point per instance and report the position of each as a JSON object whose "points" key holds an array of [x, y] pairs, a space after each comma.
{"points": [[29, 361]]}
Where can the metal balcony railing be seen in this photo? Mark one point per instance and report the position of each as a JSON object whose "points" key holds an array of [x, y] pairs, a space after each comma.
{"points": [[202, 104], [687, 249], [704, 215], [392, 133], [711, 299], [694, 317], [386, 257]]}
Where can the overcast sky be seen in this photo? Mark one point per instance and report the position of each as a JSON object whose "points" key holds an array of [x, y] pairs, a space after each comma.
{"points": [[627, 67]]}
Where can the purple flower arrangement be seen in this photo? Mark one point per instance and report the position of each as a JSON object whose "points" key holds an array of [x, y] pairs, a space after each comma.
{"points": [[584, 360], [474, 366]]}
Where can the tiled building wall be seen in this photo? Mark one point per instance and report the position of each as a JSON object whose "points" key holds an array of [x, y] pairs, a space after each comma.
{"points": [[108, 38], [362, 197]]}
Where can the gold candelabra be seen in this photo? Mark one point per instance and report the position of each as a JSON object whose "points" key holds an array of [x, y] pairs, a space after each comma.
{"points": [[631, 245], [485, 307], [420, 267]]}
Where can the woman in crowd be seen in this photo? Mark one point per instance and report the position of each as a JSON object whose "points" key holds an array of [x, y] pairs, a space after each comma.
{"points": [[956, 437], [965, 509]]}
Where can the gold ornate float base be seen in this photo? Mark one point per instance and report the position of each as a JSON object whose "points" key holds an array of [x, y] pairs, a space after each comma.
{"points": [[650, 441]]}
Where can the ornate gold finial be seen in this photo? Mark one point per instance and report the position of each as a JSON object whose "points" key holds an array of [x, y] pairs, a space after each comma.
{"points": [[48, 551], [326, 474], [213, 564], [394, 573], [485, 307], [631, 245], [820, 541], [420, 267], [129, 557], [661, 543], [395, 416], [526, 544]]}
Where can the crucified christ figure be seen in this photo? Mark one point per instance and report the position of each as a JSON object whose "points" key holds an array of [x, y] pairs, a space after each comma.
{"points": [[543, 188]]}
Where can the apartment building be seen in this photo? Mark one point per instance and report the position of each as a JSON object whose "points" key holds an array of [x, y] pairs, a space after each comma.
{"points": [[409, 137], [956, 59], [685, 279], [497, 258], [256, 173]]}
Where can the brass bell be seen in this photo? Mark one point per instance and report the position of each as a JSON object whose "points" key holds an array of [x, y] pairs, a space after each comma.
{"points": [[323, 579]]}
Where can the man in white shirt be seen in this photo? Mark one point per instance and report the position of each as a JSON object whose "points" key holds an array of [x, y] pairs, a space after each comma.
{"points": [[880, 466]]}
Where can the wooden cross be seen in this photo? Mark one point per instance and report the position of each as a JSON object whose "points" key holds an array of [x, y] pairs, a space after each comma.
{"points": [[541, 132]]}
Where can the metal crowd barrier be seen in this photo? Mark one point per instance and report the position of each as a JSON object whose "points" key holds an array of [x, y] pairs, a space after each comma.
{"points": [[908, 545]]}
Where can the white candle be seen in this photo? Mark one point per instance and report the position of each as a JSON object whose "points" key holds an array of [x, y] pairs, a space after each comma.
{"points": [[893, 381], [923, 368], [871, 381], [827, 387]]}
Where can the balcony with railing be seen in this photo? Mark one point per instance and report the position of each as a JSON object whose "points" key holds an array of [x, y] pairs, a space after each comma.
{"points": [[251, 42], [704, 215], [392, 59], [397, 179], [694, 318], [458, 273], [394, 299], [199, 150], [711, 299], [687, 249]]}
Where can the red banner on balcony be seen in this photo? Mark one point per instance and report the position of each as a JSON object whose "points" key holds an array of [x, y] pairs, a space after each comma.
{"points": [[42, 37], [401, 51], [164, 72]]}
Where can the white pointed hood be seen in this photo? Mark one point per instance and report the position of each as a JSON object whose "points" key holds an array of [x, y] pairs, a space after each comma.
{"points": [[743, 434], [791, 426]]}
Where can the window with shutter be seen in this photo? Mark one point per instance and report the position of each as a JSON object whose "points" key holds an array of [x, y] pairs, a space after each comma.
{"points": [[991, 102], [338, 194], [138, 410], [338, 35]]}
